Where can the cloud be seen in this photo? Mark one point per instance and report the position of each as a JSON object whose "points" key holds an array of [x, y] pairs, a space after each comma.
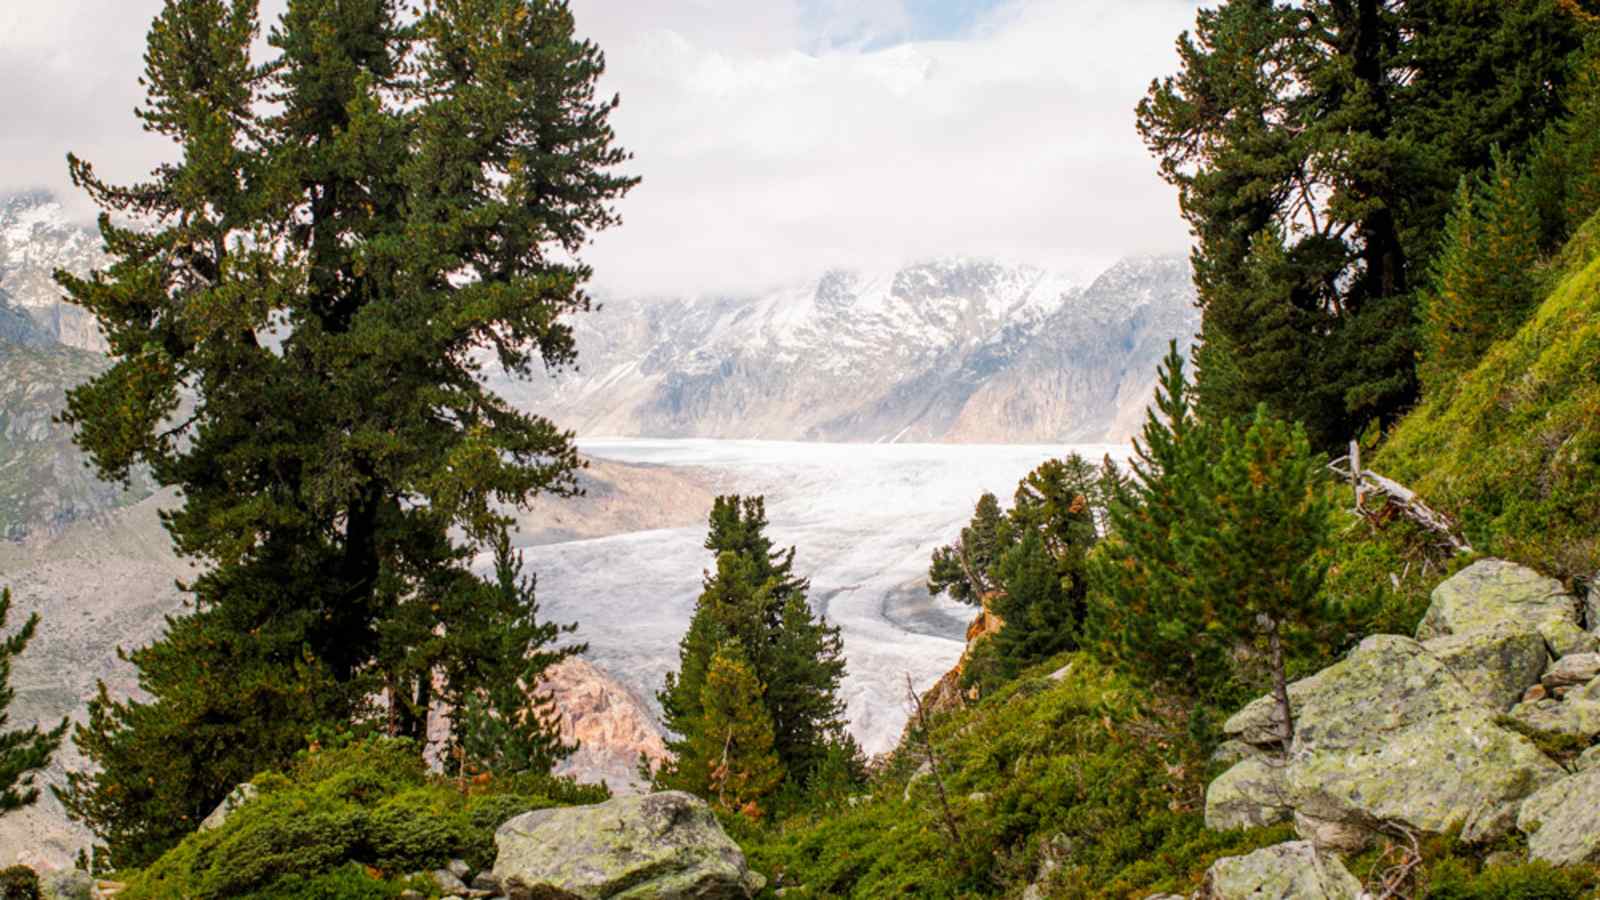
{"points": [[776, 138]]}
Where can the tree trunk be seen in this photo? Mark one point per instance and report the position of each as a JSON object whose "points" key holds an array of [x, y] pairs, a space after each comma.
{"points": [[1280, 685]]}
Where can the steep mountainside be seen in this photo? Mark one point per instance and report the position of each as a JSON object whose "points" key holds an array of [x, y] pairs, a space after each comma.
{"points": [[45, 482], [36, 238], [946, 351]]}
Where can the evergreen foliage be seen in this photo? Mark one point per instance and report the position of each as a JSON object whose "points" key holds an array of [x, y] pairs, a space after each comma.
{"points": [[756, 603], [294, 309], [735, 736], [1315, 147], [1143, 614], [23, 751], [1483, 279], [963, 569], [347, 821], [507, 727]]}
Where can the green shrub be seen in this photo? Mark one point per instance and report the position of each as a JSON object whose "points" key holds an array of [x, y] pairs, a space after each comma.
{"points": [[19, 883], [341, 815]]}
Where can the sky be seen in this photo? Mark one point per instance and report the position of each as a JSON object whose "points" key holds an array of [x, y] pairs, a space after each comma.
{"points": [[776, 138]]}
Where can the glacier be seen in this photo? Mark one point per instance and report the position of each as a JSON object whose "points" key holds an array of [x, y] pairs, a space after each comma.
{"points": [[864, 518]]}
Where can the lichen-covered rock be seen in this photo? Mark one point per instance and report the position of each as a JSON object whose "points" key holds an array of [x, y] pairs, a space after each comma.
{"points": [[1252, 794], [1455, 770], [666, 845], [1590, 759], [236, 798], [1576, 714], [1292, 871], [1496, 664], [1562, 821], [1572, 669], [1391, 734], [1492, 592], [1348, 836]]}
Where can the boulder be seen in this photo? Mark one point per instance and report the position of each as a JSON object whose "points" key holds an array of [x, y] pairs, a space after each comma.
{"points": [[1578, 713], [1293, 870], [448, 883], [1591, 605], [1572, 670], [665, 845], [1589, 760], [236, 798], [1332, 834], [1492, 592], [1391, 734], [1252, 794], [1496, 664], [1562, 821]]}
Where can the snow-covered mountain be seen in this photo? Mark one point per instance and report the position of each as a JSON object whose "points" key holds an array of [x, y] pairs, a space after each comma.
{"points": [[38, 236], [957, 350]]}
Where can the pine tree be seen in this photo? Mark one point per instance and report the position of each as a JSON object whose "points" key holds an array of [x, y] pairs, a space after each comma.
{"points": [[295, 309], [1255, 547], [1338, 128], [1041, 608], [735, 741], [506, 726], [1143, 615], [1482, 281], [23, 751], [755, 602], [964, 569]]}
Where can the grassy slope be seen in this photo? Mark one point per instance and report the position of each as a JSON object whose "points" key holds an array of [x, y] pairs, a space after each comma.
{"points": [[1513, 453]]}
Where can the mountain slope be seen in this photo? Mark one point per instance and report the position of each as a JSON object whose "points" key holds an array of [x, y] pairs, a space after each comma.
{"points": [[945, 351], [37, 237]]}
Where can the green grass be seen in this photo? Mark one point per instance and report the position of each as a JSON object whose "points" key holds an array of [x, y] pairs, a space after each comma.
{"points": [[1513, 452]]}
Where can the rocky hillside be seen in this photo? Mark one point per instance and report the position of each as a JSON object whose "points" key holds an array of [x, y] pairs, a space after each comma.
{"points": [[946, 351], [45, 481], [37, 237]]}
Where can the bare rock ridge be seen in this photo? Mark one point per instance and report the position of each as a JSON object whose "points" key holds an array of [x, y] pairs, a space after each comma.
{"points": [[37, 237]]}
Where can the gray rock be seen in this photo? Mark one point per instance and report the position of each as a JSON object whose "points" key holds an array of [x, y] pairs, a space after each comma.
{"points": [[486, 881], [1332, 835], [1572, 670], [1591, 605], [665, 845], [1230, 752], [66, 884], [1497, 664], [1291, 871], [1562, 821], [448, 882], [236, 798], [1578, 713], [459, 868], [1493, 591], [1252, 794], [1391, 734]]}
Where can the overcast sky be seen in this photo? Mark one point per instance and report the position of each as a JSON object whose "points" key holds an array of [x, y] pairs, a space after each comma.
{"points": [[777, 138]]}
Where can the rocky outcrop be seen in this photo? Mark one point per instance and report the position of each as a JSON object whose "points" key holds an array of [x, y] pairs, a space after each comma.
{"points": [[1562, 821], [1252, 794], [1493, 592], [1575, 713], [665, 845], [612, 727], [1292, 871], [1408, 733]]}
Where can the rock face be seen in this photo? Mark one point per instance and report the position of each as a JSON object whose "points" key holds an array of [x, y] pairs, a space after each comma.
{"points": [[612, 726], [1252, 794], [955, 350], [1409, 733], [1292, 871], [665, 845], [1563, 820], [236, 798], [1492, 592]]}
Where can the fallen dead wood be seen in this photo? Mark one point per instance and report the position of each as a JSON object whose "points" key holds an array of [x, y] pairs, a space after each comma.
{"points": [[1396, 496]]}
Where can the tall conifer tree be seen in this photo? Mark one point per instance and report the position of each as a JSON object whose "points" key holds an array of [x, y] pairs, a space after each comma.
{"points": [[299, 310]]}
